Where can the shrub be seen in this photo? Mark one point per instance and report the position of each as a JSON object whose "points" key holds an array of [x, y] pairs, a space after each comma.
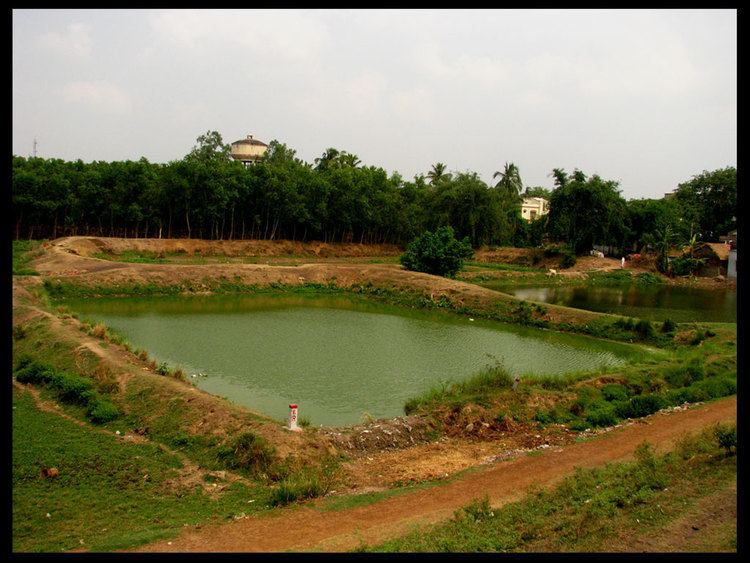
{"points": [[72, 388], [568, 260], [249, 452], [685, 376], [647, 278], [101, 411], [685, 265], [297, 487], [644, 328], [476, 511], [726, 435], [668, 326], [23, 361], [543, 417], [716, 387], [614, 392], [162, 369], [601, 414], [640, 405], [36, 373], [437, 253], [522, 313]]}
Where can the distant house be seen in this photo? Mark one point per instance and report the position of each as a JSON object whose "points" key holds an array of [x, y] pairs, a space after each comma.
{"points": [[716, 255], [534, 207], [248, 151]]}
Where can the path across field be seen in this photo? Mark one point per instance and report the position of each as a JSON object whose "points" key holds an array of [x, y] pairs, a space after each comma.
{"points": [[309, 529]]}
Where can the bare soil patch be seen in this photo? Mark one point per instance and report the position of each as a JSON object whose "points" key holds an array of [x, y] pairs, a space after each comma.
{"points": [[306, 529]]}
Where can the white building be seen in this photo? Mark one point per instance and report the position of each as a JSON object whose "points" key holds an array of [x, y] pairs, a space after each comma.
{"points": [[534, 207]]}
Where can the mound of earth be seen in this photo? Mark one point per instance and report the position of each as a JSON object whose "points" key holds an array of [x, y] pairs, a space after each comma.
{"points": [[90, 246]]}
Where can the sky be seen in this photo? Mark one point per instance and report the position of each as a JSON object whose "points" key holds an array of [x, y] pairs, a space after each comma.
{"points": [[644, 97]]}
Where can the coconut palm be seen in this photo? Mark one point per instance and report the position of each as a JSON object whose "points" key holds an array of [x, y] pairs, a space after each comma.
{"points": [[437, 173], [510, 180]]}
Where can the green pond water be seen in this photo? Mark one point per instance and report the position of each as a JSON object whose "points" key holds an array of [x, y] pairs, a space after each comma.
{"points": [[337, 357], [658, 302]]}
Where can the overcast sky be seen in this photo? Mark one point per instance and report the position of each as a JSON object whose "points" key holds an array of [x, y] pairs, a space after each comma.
{"points": [[645, 97]]}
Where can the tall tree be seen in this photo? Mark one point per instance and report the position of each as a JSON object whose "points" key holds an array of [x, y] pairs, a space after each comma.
{"points": [[509, 180], [437, 173], [709, 203]]}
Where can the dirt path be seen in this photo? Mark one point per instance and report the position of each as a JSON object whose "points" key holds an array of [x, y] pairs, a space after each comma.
{"points": [[309, 529]]}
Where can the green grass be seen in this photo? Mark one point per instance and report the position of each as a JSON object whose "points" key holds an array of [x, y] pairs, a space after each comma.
{"points": [[110, 494], [474, 265], [596, 398], [133, 256], [589, 511], [23, 252]]}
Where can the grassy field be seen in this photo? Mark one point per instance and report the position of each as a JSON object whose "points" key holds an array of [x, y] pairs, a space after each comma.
{"points": [[109, 494], [23, 252], [620, 507]]}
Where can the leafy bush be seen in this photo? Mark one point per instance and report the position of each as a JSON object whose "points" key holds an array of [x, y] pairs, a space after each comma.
{"points": [[568, 260], [601, 414], [716, 387], [685, 376], [249, 452], [640, 405], [437, 253], [727, 437], [614, 392], [668, 326], [644, 328], [685, 265], [647, 278], [34, 372], [476, 511], [101, 411], [543, 417], [310, 482], [73, 388]]}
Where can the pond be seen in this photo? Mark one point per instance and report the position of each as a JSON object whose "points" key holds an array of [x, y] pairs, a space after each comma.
{"points": [[653, 302], [337, 357]]}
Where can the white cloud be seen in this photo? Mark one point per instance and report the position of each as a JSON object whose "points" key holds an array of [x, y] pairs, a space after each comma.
{"points": [[75, 40], [278, 35], [100, 95]]}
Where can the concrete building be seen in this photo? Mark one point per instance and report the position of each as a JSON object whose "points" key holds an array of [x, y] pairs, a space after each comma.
{"points": [[249, 150], [534, 207]]}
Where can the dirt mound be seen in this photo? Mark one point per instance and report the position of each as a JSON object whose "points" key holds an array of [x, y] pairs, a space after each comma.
{"points": [[386, 434], [90, 246]]}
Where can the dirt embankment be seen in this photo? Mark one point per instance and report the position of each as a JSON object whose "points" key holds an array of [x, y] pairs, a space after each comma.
{"points": [[64, 259], [309, 529]]}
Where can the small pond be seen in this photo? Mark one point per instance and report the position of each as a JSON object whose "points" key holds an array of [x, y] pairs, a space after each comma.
{"points": [[337, 357], [653, 302]]}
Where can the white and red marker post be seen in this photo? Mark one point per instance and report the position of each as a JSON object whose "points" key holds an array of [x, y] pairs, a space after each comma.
{"points": [[293, 418]]}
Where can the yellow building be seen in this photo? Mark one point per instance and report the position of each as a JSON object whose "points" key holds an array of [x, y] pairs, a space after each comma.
{"points": [[534, 207], [249, 150]]}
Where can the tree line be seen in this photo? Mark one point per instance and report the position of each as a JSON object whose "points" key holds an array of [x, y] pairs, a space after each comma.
{"points": [[336, 199]]}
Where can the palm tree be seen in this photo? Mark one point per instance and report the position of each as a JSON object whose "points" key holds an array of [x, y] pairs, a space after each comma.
{"points": [[348, 159], [329, 156], [437, 173], [510, 180], [561, 177]]}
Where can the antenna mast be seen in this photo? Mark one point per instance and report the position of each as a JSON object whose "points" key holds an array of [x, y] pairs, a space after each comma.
{"points": [[34, 147]]}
